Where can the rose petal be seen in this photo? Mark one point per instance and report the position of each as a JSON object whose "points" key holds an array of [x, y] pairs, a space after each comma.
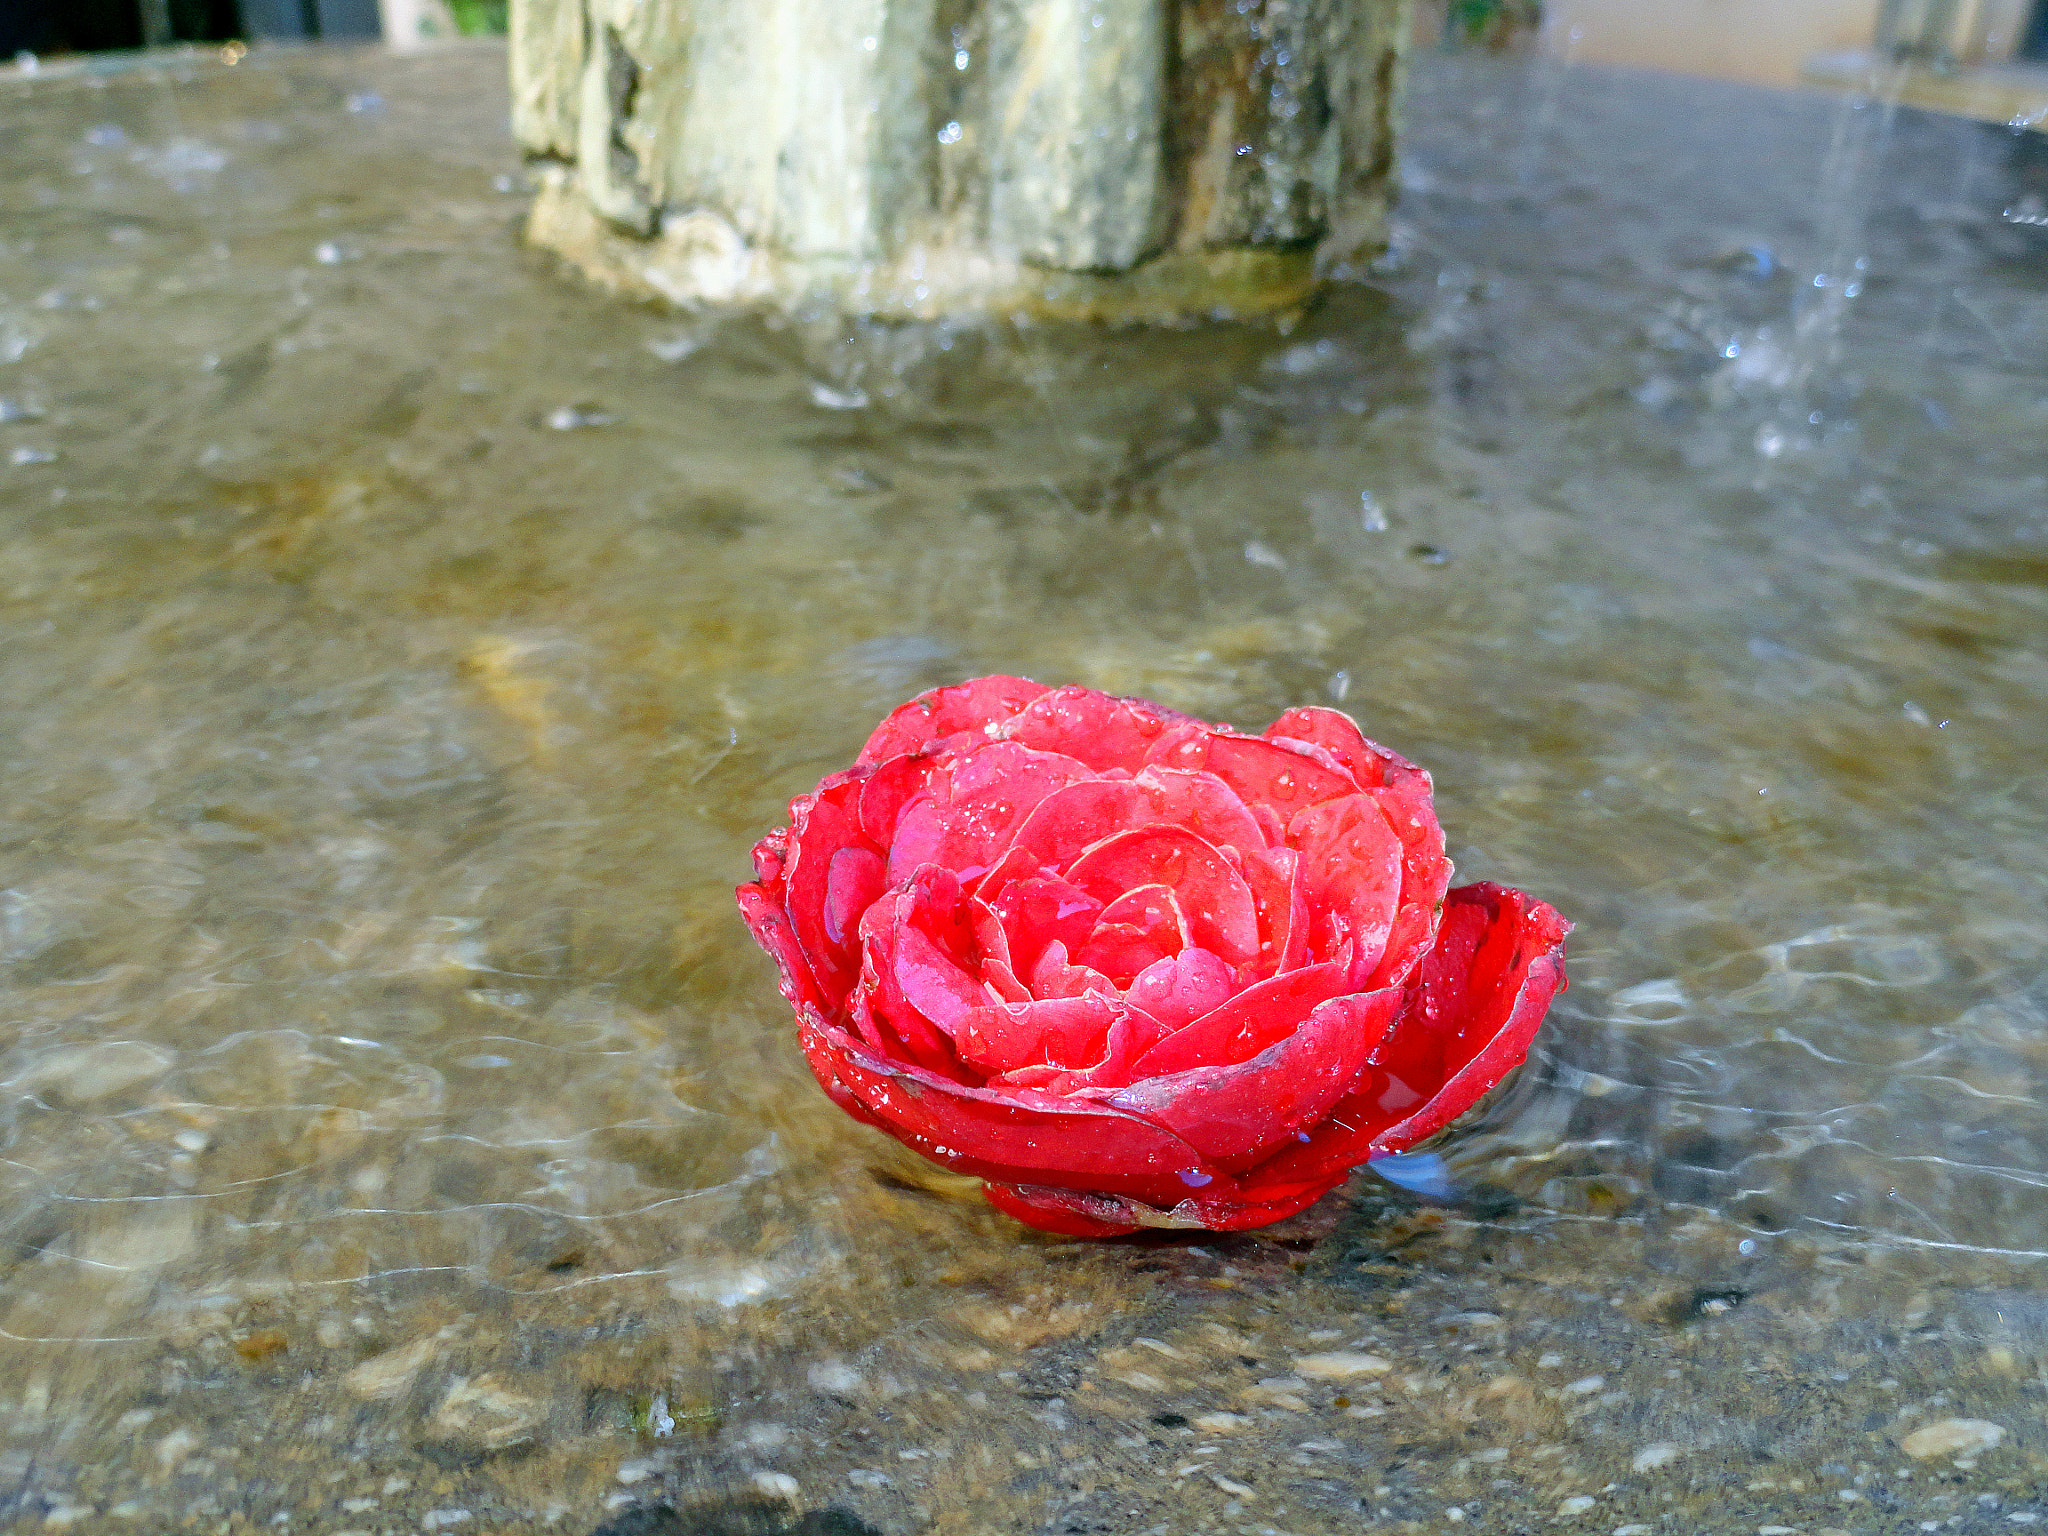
{"points": [[1204, 804], [1246, 1024], [1235, 1114], [941, 712], [1138, 928], [1102, 731], [891, 1027], [1263, 773], [932, 983], [1056, 976], [1010, 1133], [1181, 988], [917, 953], [1477, 1018], [971, 808], [852, 885], [1273, 876], [1492, 1008], [771, 855], [1403, 792], [1221, 915], [1134, 1032], [1067, 1032], [769, 923], [891, 786], [820, 826], [1079, 816], [997, 969], [1023, 1203], [1036, 912], [1336, 733], [1351, 879], [1425, 873]]}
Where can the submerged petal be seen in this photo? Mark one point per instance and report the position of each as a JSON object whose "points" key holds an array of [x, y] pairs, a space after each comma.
{"points": [[1219, 1207]]}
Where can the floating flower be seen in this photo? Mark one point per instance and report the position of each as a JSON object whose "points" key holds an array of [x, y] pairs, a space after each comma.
{"points": [[1135, 970]]}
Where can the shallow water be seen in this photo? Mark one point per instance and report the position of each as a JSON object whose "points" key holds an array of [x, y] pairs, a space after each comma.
{"points": [[406, 644]]}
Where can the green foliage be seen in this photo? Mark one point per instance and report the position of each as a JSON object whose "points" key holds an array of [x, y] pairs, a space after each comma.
{"points": [[1491, 23], [479, 18]]}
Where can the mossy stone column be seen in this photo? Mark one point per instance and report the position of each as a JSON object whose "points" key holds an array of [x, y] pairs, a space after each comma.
{"points": [[1101, 158]]}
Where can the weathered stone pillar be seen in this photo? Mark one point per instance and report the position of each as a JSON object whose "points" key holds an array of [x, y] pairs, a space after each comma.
{"points": [[1101, 158]]}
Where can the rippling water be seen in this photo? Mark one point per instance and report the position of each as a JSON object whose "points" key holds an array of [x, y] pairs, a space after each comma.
{"points": [[404, 645]]}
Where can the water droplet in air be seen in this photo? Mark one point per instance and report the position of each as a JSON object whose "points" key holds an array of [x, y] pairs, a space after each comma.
{"points": [[570, 418]]}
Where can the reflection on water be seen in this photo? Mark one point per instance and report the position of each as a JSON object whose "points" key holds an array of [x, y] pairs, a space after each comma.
{"points": [[405, 645]]}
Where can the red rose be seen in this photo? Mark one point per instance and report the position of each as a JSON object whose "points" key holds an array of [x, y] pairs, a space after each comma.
{"points": [[1135, 970]]}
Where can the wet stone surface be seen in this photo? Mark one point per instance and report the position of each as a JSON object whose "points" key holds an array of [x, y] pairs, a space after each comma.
{"points": [[404, 645]]}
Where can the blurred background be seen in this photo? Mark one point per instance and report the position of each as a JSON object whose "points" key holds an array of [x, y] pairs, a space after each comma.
{"points": [[1760, 41]]}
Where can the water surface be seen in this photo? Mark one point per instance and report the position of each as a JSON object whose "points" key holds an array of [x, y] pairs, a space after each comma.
{"points": [[405, 644]]}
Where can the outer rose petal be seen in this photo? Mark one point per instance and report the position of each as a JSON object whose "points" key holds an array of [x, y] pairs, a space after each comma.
{"points": [[820, 826], [1484, 1014], [1012, 1133], [941, 712], [1491, 1012], [1338, 734], [1103, 731], [1235, 1115], [1264, 773], [769, 924]]}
